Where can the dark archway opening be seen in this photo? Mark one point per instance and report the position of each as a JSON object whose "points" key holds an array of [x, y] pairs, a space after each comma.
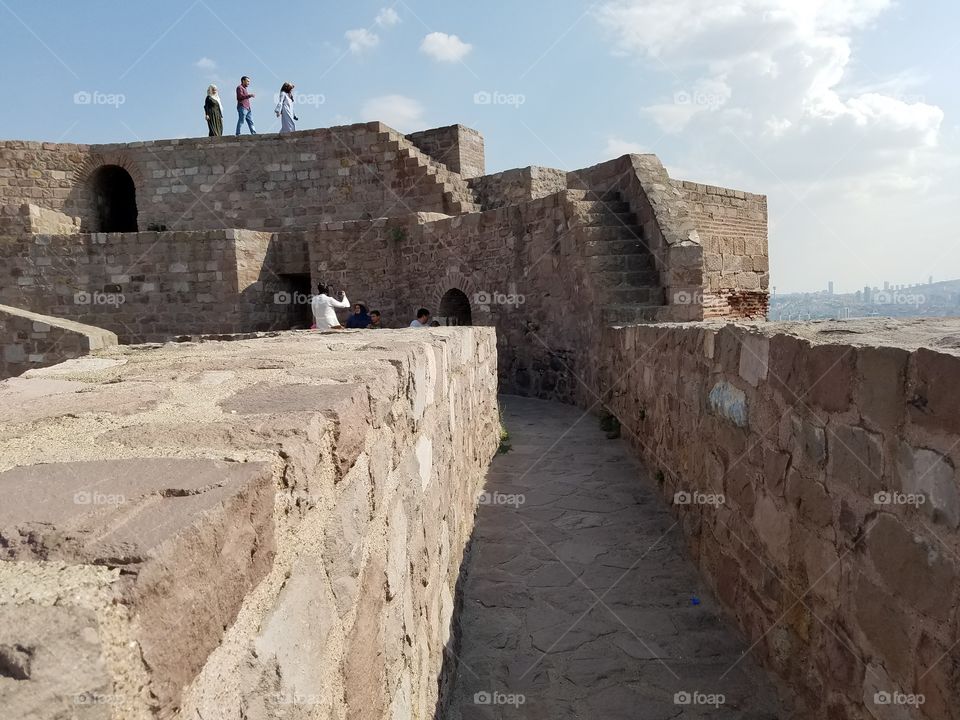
{"points": [[455, 309], [114, 199]]}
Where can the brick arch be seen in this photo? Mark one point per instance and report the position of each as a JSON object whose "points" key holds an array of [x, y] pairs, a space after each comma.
{"points": [[452, 279], [95, 161], [84, 183]]}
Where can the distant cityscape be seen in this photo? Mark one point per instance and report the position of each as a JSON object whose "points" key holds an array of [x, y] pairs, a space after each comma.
{"points": [[930, 299]]}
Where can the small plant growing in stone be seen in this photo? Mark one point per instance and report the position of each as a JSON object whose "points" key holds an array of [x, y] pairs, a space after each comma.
{"points": [[505, 445], [398, 234]]}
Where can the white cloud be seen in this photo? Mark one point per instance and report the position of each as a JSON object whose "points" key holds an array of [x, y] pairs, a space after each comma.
{"points": [[397, 111], [387, 17], [769, 92], [617, 146], [361, 40], [445, 48], [208, 69]]}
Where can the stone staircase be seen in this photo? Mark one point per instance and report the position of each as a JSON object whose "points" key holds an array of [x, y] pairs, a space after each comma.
{"points": [[458, 197], [622, 268]]}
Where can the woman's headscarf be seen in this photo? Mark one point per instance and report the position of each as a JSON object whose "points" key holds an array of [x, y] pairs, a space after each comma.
{"points": [[212, 93]]}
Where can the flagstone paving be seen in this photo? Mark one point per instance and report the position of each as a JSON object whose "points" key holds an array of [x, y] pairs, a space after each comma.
{"points": [[580, 600]]}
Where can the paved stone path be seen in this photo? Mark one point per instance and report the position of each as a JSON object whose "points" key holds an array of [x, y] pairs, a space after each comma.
{"points": [[579, 601]]}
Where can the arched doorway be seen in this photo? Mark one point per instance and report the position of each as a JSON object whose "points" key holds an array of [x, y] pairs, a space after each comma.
{"points": [[114, 199], [455, 308]]}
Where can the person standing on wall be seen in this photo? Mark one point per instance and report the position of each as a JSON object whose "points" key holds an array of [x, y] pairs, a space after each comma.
{"points": [[284, 109], [324, 308], [243, 105], [213, 111]]}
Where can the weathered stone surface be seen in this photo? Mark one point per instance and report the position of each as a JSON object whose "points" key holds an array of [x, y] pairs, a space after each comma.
{"points": [[932, 475], [215, 587], [914, 568]]}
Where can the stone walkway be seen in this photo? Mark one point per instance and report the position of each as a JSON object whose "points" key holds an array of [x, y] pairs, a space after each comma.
{"points": [[579, 600]]}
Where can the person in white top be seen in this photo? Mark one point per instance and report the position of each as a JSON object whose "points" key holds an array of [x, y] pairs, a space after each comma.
{"points": [[423, 319], [323, 306]]}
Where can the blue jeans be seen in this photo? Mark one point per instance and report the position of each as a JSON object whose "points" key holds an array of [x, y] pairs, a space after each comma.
{"points": [[245, 115]]}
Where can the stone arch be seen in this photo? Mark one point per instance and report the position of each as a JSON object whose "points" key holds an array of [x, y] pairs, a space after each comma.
{"points": [[455, 307], [109, 185]]}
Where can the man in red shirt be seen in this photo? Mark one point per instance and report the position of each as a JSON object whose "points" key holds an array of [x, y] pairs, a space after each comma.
{"points": [[243, 105]]}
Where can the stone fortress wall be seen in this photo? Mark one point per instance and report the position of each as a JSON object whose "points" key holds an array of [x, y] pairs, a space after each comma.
{"points": [[572, 269], [813, 469], [265, 528]]}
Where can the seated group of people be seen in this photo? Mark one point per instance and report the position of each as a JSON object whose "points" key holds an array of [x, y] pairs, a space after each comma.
{"points": [[324, 307]]}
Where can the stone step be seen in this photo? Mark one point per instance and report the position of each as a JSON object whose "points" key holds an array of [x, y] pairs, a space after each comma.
{"points": [[611, 232], [602, 196], [629, 314], [621, 263], [624, 295], [586, 207], [593, 248], [634, 278]]}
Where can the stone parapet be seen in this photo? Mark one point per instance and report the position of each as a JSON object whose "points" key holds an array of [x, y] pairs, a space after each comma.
{"points": [[813, 469], [270, 527]]}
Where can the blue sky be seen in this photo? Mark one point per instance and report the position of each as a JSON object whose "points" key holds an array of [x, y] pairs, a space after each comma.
{"points": [[844, 112]]}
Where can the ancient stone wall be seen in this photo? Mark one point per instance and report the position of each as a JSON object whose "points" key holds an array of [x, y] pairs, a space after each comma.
{"points": [[813, 469], [29, 340], [265, 528], [732, 226], [522, 268], [511, 187], [458, 147], [266, 182], [152, 286]]}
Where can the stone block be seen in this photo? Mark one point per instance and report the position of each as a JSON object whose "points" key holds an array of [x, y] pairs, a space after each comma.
{"points": [[935, 393], [880, 388], [928, 473], [855, 459], [914, 568]]}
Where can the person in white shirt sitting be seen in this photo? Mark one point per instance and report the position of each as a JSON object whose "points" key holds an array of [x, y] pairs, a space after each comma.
{"points": [[323, 306], [423, 319]]}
